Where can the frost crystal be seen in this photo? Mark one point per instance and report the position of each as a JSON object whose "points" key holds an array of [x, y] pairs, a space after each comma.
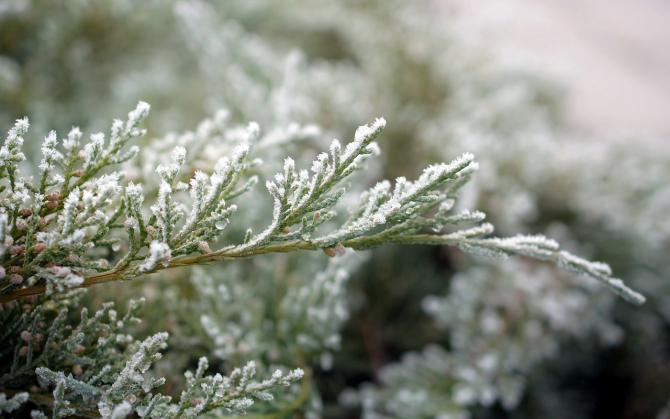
{"points": [[76, 222], [159, 252]]}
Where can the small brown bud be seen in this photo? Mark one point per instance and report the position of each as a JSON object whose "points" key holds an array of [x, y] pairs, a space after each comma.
{"points": [[42, 325], [287, 229], [103, 263], [16, 279], [330, 252], [317, 214], [41, 222], [151, 230], [14, 269], [215, 240], [21, 224], [130, 223], [340, 250], [131, 398], [37, 348], [52, 204], [76, 370], [53, 345], [78, 172], [9, 241], [196, 401], [78, 350], [35, 389], [53, 196], [29, 298], [81, 155], [25, 212], [50, 265], [26, 307], [26, 335], [39, 247], [72, 258], [80, 206], [204, 247], [23, 351], [38, 337]]}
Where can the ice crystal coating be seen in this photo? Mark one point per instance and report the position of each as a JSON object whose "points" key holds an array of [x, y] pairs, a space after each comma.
{"points": [[81, 214]]}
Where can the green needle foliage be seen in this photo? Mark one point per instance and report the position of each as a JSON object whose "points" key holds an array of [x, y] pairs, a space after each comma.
{"points": [[82, 207]]}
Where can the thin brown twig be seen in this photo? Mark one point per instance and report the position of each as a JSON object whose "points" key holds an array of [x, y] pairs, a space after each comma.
{"points": [[231, 253]]}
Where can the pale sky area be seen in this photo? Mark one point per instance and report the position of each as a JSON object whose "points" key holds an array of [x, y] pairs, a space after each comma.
{"points": [[617, 53]]}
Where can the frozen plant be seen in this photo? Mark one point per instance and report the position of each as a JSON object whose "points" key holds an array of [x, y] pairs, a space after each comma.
{"points": [[502, 321], [56, 228], [95, 367], [80, 205]]}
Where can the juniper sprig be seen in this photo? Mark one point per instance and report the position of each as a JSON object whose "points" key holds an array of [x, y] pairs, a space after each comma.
{"points": [[55, 231], [56, 225]]}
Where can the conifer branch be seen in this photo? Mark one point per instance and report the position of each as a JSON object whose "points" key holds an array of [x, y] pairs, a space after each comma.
{"points": [[400, 213]]}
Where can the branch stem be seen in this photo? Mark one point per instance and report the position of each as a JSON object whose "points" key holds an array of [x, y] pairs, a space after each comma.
{"points": [[231, 253]]}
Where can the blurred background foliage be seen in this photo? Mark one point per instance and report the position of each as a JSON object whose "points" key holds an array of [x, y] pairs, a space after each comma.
{"points": [[443, 91]]}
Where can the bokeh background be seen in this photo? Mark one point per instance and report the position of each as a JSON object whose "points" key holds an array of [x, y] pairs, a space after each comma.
{"points": [[564, 104], [615, 54]]}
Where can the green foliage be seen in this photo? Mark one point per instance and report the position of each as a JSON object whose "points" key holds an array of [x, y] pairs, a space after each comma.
{"points": [[108, 377], [86, 214]]}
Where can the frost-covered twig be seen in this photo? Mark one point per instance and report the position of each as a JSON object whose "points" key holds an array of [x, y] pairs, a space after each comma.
{"points": [[383, 215], [98, 371]]}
